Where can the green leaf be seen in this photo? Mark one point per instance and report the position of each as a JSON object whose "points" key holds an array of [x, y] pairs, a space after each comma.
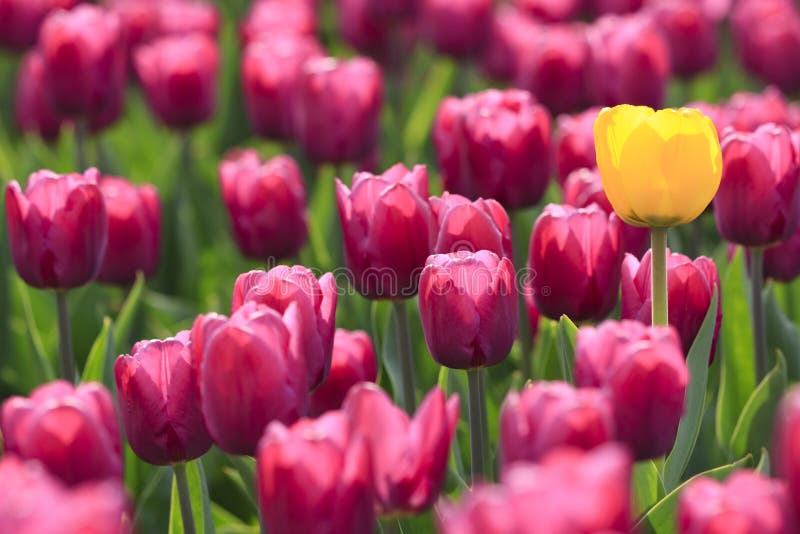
{"points": [[435, 88], [694, 406], [124, 322], [201, 504], [101, 352], [566, 346], [754, 427], [647, 487], [33, 332], [545, 353], [390, 354], [763, 466], [782, 334], [246, 466], [737, 372], [660, 519]]}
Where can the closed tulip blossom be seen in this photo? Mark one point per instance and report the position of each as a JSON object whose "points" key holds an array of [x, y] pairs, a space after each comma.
{"points": [[134, 228], [550, 10], [139, 19], [72, 431], [34, 502], [314, 476], [184, 17], [471, 226], [385, 30], [747, 111], [576, 255], [353, 361], [494, 144], [266, 204], [389, 230], [552, 65], [160, 401], [338, 109], [20, 20], [782, 261], [456, 27], [602, 7], [746, 502], [630, 61], [315, 301], [271, 69], [568, 491], [584, 187], [510, 28], [468, 307], [786, 444], [691, 36], [33, 113], [659, 168], [574, 142], [548, 415], [84, 60], [758, 202], [179, 78], [690, 286], [250, 373], [266, 18], [57, 228], [408, 455], [643, 370]]}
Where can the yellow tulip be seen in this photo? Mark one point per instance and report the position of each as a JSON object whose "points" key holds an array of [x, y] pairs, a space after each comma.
{"points": [[659, 168]]}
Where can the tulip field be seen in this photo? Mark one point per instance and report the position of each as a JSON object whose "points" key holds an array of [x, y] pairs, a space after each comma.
{"points": [[400, 266]]}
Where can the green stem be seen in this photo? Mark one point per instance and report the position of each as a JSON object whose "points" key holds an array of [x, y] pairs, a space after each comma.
{"points": [[759, 325], [390, 525], [477, 405], [65, 338], [80, 143], [488, 464], [183, 497], [520, 232], [406, 358], [658, 246]]}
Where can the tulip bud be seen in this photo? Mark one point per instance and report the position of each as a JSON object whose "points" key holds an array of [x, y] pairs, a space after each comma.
{"points": [[57, 229], [385, 30], [388, 229], [758, 202], [313, 322], [547, 415], [766, 35], [785, 440], [314, 477], [576, 256], [690, 286], [271, 69], [179, 77], [160, 401], [468, 307], [782, 262], [338, 109], [690, 34], [353, 361], [747, 111], [574, 142], [33, 502], [494, 144], [550, 10], [84, 60], [659, 168], [184, 17], [20, 20], [643, 370], [456, 27], [408, 456], [471, 226], [553, 66], [72, 431], [584, 187], [508, 32], [134, 228], [568, 491], [267, 18], [629, 62], [266, 203], [249, 374], [746, 502], [32, 111]]}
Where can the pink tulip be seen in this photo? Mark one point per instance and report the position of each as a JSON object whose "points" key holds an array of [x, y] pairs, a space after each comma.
{"points": [[471, 226], [691, 36], [550, 10], [20, 20], [456, 27], [267, 18], [574, 142], [786, 445], [183, 17], [32, 111]]}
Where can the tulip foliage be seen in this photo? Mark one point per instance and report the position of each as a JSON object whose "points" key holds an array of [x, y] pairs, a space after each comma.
{"points": [[357, 266]]}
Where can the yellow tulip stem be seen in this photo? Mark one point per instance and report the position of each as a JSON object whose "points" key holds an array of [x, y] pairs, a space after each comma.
{"points": [[658, 240], [757, 308]]}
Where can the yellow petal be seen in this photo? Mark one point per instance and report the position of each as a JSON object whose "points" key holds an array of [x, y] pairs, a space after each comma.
{"points": [[612, 129]]}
